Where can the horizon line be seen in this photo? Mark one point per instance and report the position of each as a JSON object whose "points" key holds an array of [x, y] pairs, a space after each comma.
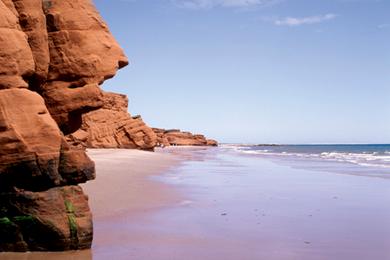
{"points": [[307, 144]]}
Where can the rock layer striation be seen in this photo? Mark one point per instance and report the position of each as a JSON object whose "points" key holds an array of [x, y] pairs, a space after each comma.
{"points": [[113, 127], [54, 54], [175, 137]]}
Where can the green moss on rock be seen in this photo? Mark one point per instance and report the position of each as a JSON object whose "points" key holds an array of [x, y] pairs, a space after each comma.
{"points": [[5, 221], [72, 225], [69, 206], [27, 218]]}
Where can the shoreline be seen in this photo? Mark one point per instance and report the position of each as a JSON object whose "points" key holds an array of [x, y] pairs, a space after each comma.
{"points": [[124, 185]]}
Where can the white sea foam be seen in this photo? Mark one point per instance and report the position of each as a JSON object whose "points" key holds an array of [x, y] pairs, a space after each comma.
{"points": [[186, 202], [367, 159], [363, 159]]}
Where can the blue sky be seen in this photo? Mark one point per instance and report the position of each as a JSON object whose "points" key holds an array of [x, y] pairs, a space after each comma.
{"points": [[257, 71]]}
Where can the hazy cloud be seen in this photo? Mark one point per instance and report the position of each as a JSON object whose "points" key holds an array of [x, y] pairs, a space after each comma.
{"points": [[296, 21], [384, 26], [206, 4]]}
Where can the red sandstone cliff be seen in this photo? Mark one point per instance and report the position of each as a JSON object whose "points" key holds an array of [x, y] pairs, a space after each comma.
{"points": [[176, 137], [113, 127], [54, 54]]}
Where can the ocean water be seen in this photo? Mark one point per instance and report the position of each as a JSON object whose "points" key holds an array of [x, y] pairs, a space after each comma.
{"points": [[366, 159]]}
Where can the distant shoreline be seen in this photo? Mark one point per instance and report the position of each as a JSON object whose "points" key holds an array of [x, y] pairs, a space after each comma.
{"points": [[312, 144]]}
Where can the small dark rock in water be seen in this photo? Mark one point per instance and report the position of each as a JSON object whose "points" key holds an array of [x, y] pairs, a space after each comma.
{"points": [[223, 214], [307, 242], [335, 197]]}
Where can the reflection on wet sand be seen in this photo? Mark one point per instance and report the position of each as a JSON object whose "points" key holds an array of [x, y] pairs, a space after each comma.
{"points": [[72, 255]]}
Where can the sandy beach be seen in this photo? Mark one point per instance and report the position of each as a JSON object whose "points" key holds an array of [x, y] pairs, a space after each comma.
{"points": [[123, 184], [194, 129], [213, 203]]}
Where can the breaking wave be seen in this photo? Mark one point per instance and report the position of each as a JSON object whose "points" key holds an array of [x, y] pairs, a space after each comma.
{"points": [[362, 158]]}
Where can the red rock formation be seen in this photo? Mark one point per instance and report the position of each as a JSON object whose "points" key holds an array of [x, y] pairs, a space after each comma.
{"points": [[162, 140], [16, 58], [177, 138], [56, 219], [53, 56], [211, 142], [82, 55], [113, 127], [33, 152]]}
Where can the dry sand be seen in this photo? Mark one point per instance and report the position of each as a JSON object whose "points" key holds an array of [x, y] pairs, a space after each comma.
{"points": [[123, 185]]}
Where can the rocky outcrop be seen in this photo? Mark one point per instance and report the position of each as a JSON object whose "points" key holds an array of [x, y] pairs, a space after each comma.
{"points": [[112, 127], [212, 142], [82, 55], [34, 154], [54, 54], [57, 219], [162, 140], [176, 137]]}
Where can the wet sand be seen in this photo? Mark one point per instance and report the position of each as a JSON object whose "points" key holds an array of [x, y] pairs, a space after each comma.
{"points": [[195, 203], [246, 207]]}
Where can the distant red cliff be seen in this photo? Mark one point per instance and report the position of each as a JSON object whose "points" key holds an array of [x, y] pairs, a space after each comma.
{"points": [[112, 126], [176, 137]]}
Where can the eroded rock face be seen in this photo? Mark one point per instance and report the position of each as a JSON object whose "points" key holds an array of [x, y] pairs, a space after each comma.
{"points": [[53, 56], [113, 127], [16, 58], [83, 54], [176, 137], [34, 154], [57, 219]]}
